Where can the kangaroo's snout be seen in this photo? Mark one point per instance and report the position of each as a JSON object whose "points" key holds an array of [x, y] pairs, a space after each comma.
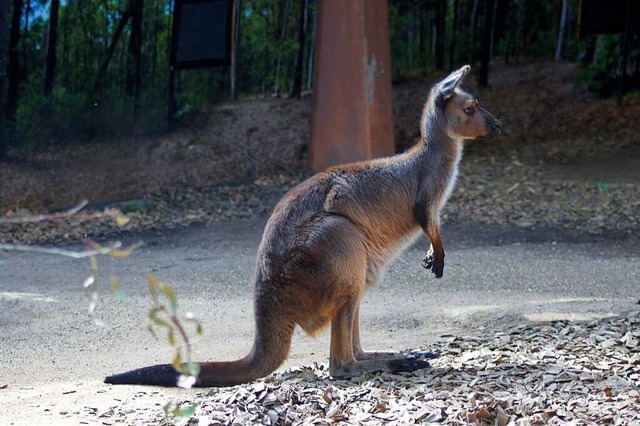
{"points": [[495, 126]]}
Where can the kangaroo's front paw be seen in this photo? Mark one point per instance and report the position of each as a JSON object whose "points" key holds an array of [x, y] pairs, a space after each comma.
{"points": [[427, 260], [433, 262]]}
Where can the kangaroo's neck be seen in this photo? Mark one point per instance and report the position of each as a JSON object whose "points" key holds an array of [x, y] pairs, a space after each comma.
{"points": [[435, 160]]}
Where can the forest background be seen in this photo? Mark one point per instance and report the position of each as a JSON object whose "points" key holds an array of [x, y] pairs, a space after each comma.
{"points": [[73, 72]]}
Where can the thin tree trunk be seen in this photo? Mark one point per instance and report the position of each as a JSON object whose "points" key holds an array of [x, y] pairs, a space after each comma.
{"points": [[422, 19], [296, 90], [625, 53], [4, 49], [563, 20], [135, 52], [454, 36], [65, 43], [493, 28], [410, 37], [507, 53], [312, 50], [13, 73], [172, 103], [24, 65], [474, 12], [283, 34], [473, 19], [235, 48], [441, 11], [485, 54], [52, 41], [126, 15]]}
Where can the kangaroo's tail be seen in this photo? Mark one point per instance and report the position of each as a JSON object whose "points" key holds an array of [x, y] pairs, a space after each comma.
{"points": [[270, 349]]}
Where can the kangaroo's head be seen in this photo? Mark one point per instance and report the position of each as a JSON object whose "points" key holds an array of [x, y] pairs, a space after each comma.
{"points": [[458, 112]]}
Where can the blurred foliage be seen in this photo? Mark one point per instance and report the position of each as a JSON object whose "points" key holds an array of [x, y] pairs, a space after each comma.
{"points": [[92, 98], [602, 74]]}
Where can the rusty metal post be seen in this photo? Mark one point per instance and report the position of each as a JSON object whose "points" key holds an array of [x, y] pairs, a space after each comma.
{"points": [[352, 106]]}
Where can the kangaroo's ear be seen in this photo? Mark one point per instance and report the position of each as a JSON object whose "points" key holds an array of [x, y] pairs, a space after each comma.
{"points": [[447, 86]]}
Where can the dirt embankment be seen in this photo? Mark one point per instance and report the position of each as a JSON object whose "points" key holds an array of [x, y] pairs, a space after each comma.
{"points": [[546, 168]]}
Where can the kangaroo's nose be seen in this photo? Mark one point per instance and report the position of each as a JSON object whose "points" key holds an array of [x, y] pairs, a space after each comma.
{"points": [[496, 127]]}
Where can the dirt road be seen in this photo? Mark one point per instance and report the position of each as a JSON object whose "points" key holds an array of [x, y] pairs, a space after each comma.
{"points": [[54, 357]]}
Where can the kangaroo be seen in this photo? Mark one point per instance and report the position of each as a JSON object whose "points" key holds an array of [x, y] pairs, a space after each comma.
{"points": [[330, 237]]}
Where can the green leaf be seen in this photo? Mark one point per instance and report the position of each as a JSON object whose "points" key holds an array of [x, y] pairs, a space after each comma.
{"points": [[94, 266], [171, 296], [189, 317], [93, 302], [604, 186], [117, 290], [186, 411], [123, 253], [177, 363], [193, 368], [153, 286], [171, 337], [154, 316], [171, 409], [121, 221]]}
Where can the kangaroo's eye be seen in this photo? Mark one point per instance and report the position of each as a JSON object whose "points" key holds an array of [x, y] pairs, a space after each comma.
{"points": [[470, 110]]}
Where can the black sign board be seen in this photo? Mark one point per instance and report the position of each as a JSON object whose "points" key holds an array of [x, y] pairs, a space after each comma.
{"points": [[201, 35], [601, 17]]}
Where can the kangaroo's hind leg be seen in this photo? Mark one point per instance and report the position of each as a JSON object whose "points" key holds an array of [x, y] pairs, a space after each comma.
{"points": [[362, 355], [342, 361]]}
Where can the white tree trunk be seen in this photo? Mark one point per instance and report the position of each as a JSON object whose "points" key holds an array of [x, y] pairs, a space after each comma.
{"points": [[276, 88], [563, 22]]}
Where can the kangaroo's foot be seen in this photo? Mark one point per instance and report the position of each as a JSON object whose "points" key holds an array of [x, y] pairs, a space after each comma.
{"points": [[356, 368], [421, 355], [361, 355]]}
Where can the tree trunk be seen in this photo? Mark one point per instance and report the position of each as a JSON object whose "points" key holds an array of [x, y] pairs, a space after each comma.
{"points": [[24, 56], [235, 47], [563, 20], [283, 34], [172, 102], [473, 20], [485, 54], [312, 50], [296, 90], [52, 41], [454, 35], [124, 20], [492, 38], [441, 11], [65, 45], [13, 73], [4, 49], [134, 85]]}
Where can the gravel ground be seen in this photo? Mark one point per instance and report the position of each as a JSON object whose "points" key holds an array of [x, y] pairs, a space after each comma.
{"points": [[562, 373]]}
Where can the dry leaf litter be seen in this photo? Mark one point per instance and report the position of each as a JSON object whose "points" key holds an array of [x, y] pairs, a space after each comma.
{"points": [[560, 373], [509, 194]]}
